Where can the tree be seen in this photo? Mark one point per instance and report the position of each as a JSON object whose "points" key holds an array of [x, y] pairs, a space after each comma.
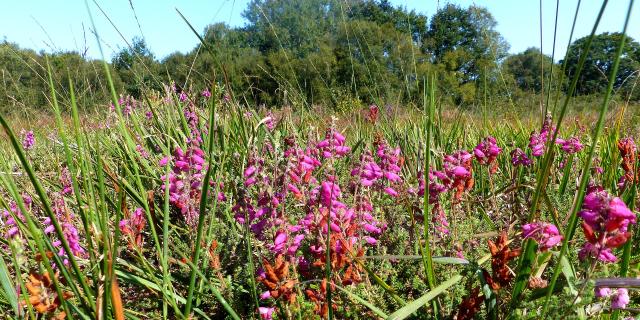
{"points": [[137, 68], [291, 25], [524, 68], [465, 40], [594, 75], [384, 13]]}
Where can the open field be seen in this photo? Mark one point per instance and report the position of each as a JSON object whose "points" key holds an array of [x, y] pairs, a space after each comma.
{"points": [[122, 202], [456, 191]]}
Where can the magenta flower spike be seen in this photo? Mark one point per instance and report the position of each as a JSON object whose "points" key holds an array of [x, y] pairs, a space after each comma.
{"points": [[486, 153], [545, 234], [519, 158], [605, 222], [28, 140]]}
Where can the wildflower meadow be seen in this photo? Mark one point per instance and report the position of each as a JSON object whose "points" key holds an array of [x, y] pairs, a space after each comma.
{"points": [[188, 203]]}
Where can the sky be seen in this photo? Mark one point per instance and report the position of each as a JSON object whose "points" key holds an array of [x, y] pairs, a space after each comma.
{"points": [[64, 25]]}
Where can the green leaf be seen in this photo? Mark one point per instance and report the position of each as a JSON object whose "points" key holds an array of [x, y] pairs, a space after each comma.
{"points": [[8, 288], [363, 302], [410, 308]]}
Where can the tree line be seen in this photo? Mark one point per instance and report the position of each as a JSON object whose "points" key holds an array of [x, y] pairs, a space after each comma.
{"points": [[326, 52]]}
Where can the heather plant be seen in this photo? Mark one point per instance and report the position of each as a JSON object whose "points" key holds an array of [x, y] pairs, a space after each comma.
{"points": [[188, 204]]}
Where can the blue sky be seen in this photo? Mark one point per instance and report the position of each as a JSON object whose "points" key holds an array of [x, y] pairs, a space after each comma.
{"points": [[64, 24]]}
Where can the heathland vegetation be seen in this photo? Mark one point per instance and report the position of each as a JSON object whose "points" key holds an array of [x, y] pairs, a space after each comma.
{"points": [[330, 159]]}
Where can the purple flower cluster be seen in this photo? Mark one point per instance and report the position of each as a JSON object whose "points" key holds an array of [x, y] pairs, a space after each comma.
{"points": [[486, 153], [545, 234], [456, 176], [66, 182], [519, 158], [9, 219], [348, 223], [571, 145], [379, 172], [266, 313], [260, 210], [194, 124], [333, 145], [458, 171], [536, 143], [185, 181], [300, 166], [537, 140], [183, 96], [133, 226], [28, 140], [269, 121], [605, 222], [127, 104], [438, 184], [619, 298], [261, 203], [65, 217]]}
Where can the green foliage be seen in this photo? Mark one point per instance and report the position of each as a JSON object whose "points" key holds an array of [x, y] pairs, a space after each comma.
{"points": [[525, 69], [137, 68], [317, 52], [593, 78], [23, 79]]}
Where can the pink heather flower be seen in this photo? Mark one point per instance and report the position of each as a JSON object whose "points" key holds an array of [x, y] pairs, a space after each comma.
{"points": [[439, 183], [279, 242], [571, 145], [265, 295], [536, 143], [519, 158], [440, 220], [597, 251], [142, 152], [266, 313], [206, 93], [620, 299], [149, 115], [537, 140], [183, 96], [458, 171], [562, 163], [66, 182], [185, 181], [605, 222], [380, 172], [133, 226], [371, 240], [28, 140], [545, 234], [329, 193], [269, 121], [69, 231], [12, 227], [486, 153], [602, 292], [163, 162], [390, 191], [250, 171], [333, 145]]}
